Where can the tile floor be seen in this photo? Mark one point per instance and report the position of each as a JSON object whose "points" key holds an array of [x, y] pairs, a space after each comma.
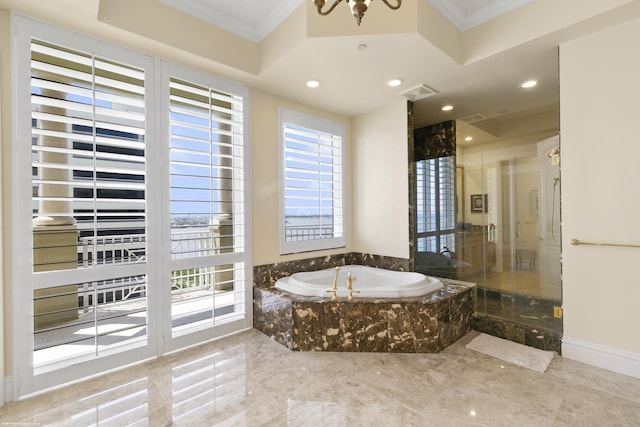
{"points": [[249, 380]]}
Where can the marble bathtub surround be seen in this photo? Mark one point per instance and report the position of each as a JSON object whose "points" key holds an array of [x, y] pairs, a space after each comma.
{"points": [[268, 274], [425, 324]]}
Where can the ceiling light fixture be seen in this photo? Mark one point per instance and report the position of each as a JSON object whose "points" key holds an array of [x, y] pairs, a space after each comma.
{"points": [[395, 82], [447, 108], [528, 84], [358, 7], [469, 138], [313, 83]]}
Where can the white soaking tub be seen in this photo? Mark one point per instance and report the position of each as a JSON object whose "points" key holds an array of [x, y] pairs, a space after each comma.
{"points": [[371, 282]]}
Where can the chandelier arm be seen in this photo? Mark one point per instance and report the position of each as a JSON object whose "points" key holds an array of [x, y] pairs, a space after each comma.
{"points": [[320, 5], [392, 6]]}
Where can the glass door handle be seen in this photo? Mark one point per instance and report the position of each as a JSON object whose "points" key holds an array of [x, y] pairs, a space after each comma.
{"points": [[491, 236]]}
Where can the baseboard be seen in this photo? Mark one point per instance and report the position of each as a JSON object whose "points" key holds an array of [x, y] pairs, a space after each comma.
{"points": [[6, 390], [611, 359]]}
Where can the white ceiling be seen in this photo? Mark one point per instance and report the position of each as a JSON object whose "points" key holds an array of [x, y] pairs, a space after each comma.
{"points": [[487, 87]]}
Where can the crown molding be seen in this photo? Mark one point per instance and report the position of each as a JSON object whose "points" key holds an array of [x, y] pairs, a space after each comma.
{"points": [[465, 19], [251, 30]]}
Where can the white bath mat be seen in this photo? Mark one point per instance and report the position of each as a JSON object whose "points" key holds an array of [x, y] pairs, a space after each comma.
{"points": [[518, 354]]}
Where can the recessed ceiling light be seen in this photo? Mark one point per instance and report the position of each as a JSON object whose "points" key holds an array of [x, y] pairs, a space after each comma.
{"points": [[313, 83], [528, 84], [395, 82], [447, 108], [469, 138]]}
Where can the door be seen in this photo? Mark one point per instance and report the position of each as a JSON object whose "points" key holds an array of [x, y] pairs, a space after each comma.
{"points": [[549, 218], [130, 213], [518, 225]]}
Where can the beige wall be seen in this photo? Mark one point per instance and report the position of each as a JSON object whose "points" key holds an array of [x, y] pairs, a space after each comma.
{"points": [[599, 95], [265, 176], [380, 186]]}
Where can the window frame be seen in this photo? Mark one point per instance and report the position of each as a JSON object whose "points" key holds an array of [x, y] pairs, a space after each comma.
{"points": [[442, 192], [320, 125], [191, 336], [25, 379]]}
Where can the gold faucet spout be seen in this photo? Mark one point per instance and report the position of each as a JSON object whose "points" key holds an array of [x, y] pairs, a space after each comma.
{"points": [[350, 287], [335, 279]]}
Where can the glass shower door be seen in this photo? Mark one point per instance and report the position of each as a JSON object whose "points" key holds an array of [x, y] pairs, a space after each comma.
{"points": [[517, 224], [512, 217]]}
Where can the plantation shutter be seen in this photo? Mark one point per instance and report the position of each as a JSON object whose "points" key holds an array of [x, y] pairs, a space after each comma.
{"points": [[312, 183], [88, 203], [207, 206], [130, 207], [435, 204]]}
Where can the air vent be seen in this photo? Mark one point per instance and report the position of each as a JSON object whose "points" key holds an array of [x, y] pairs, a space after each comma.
{"points": [[418, 92], [475, 117]]}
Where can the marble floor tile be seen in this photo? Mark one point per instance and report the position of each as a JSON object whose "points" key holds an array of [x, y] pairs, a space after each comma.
{"points": [[588, 406], [249, 380]]}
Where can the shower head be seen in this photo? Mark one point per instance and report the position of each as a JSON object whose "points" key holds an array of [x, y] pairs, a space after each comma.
{"points": [[554, 152]]}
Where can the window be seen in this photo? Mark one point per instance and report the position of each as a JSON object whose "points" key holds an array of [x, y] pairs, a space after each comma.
{"points": [[130, 207], [89, 182], [207, 205], [435, 204], [312, 184]]}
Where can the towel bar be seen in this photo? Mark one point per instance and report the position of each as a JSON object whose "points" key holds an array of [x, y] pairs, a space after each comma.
{"points": [[576, 242]]}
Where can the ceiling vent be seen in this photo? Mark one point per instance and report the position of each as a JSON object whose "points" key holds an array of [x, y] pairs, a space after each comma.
{"points": [[419, 92], [475, 117]]}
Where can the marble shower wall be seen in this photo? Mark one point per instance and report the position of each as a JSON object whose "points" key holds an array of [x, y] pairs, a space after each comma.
{"points": [[435, 141]]}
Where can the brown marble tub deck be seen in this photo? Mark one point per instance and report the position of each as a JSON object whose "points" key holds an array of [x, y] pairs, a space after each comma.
{"points": [[426, 324]]}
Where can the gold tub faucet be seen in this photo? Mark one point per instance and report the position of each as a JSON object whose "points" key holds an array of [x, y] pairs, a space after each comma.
{"points": [[335, 285], [335, 279], [350, 287]]}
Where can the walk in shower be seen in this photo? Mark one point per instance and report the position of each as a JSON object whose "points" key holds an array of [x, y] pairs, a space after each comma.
{"points": [[490, 214], [512, 224]]}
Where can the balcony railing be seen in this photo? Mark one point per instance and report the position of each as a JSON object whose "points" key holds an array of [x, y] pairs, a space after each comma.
{"points": [[308, 232], [131, 248], [118, 249]]}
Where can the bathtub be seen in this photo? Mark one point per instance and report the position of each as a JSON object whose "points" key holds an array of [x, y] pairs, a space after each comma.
{"points": [[371, 282]]}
